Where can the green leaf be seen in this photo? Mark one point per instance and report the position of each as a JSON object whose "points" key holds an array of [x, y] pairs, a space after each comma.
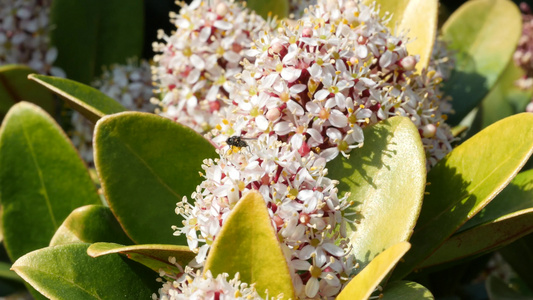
{"points": [[406, 290], [499, 290], [386, 179], [67, 272], [364, 283], [15, 87], [147, 164], [279, 8], [42, 179], [89, 34], [421, 32], [484, 34], [505, 219], [89, 101], [156, 257], [466, 180], [247, 243], [505, 98], [90, 224]]}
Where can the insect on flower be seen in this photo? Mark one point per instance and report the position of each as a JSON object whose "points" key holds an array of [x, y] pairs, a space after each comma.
{"points": [[237, 142]]}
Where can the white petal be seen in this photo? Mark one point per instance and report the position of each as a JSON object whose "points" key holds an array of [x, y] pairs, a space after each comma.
{"points": [[338, 119], [333, 249], [322, 94], [223, 25], [197, 62], [311, 287], [297, 88], [290, 74], [261, 122], [295, 108], [282, 128]]}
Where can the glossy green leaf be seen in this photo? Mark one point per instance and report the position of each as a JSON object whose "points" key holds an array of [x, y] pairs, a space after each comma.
{"points": [[364, 283], [89, 34], [15, 87], [386, 179], [483, 238], [156, 257], [484, 35], [247, 243], [67, 272], [147, 164], [421, 32], [505, 219], [406, 290], [505, 98], [499, 290], [90, 224], [42, 179], [466, 180], [89, 101], [279, 8]]}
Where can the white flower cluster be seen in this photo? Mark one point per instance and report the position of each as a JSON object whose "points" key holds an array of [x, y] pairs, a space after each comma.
{"points": [[305, 97], [24, 29], [316, 84], [302, 203], [130, 85], [191, 285], [199, 60]]}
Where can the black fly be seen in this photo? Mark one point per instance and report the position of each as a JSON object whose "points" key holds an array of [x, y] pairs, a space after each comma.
{"points": [[236, 141]]}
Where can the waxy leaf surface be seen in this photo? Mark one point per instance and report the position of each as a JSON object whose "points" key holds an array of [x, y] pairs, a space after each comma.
{"points": [[505, 98], [89, 101], [247, 244], [67, 272], [42, 179], [90, 224], [406, 19], [15, 87], [89, 34], [364, 283], [147, 164], [484, 35], [406, 290], [466, 180], [155, 257], [386, 179]]}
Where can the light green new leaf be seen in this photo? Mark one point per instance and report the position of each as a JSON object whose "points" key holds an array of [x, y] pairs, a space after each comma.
{"points": [[466, 180], [89, 101], [89, 34], [247, 244], [155, 257], [90, 224], [406, 18], [386, 179], [15, 87], [279, 8], [42, 179], [505, 98], [499, 290], [147, 164], [67, 272], [364, 283], [484, 35], [406, 290]]}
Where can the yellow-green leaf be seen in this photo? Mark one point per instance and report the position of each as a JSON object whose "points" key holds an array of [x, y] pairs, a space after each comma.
{"points": [[364, 283], [416, 18], [156, 257], [247, 244]]}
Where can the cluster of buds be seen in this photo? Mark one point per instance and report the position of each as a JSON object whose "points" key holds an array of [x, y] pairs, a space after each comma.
{"points": [[198, 62], [130, 85], [24, 30]]}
